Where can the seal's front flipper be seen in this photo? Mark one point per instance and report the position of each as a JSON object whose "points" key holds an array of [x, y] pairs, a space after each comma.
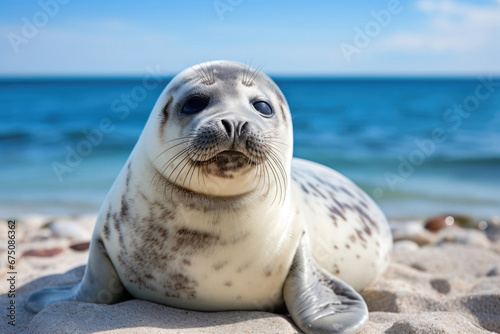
{"points": [[100, 284], [320, 303]]}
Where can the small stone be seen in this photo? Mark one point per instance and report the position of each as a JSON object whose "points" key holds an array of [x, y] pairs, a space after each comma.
{"points": [[82, 246], [482, 225], [492, 231], [400, 230], [31, 221], [440, 285], [494, 271], [43, 252], [435, 224], [465, 221], [69, 229], [412, 230], [405, 245], [463, 236]]}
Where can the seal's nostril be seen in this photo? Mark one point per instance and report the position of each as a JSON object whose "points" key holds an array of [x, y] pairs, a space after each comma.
{"points": [[242, 127], [228, 126]]}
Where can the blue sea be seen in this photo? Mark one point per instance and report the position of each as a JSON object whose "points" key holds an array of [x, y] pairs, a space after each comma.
{"points": [[419, 147]]}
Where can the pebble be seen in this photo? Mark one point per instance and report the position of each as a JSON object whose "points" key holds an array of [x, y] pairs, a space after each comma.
{"points": [[412, 230], [405, 245], [438, 223], [435, 224], [43, 252], [31, 221], [69, 229], [494, 271], [492, 230], [465, 221], [82, 246], [463, 236]]}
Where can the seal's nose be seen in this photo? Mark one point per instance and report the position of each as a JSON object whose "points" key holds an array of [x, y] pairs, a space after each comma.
{"points": [[233, 129]]}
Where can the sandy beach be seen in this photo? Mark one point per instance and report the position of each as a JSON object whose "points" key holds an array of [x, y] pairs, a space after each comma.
{"points": [[442, 279]]}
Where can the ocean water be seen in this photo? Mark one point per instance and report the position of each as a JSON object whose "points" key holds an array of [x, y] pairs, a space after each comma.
{"points": [[419, 147]]}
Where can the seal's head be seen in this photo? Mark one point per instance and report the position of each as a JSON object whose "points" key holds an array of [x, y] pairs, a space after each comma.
{"points": [[221, 129]]}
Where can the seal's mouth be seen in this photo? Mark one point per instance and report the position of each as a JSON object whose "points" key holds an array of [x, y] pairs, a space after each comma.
{"points": [[231, 160], [228, 160]]}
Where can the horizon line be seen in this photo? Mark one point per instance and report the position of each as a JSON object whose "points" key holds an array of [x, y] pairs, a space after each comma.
{"points": [[131, 77]]}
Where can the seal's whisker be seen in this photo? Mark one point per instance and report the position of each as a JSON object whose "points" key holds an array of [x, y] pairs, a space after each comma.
{"points": [[277, 180], [191, 136], [155, 180], [254, 74], [277, 183], [198, 153], [168, 149], [183, 161], [276, 149], [271, 138], [274, 141], [202, 74], [196, 71], [181, 155], [209, 153], [208, 75], [246, 75], [185, 139], [172, 159], [191, 169], [282, 173], [282, 169], [213, 76], [267, 182], [158, 176], [186, 161], [164, 168], [258, 172]]}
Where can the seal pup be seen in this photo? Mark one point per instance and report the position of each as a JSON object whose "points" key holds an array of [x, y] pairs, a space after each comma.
{"points": [[212, 213]]}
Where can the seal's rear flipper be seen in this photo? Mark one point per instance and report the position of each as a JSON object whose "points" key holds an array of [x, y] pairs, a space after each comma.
{"points": [[320, 303], [41, 298], [100, 284]]}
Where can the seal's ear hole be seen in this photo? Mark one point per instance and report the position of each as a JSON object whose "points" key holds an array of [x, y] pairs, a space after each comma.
{"points": [[194, 105], [263, 108]]}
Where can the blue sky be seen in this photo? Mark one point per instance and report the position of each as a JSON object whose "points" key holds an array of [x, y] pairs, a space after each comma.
{"points": [[418, 37]]}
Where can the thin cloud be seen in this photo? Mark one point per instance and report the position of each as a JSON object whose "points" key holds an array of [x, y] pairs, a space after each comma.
{"points": [[451, 26], [97, 46]]}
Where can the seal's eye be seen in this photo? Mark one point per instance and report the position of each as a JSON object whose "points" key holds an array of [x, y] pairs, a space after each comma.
{"points": [[194, 105], [263, 108]]}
